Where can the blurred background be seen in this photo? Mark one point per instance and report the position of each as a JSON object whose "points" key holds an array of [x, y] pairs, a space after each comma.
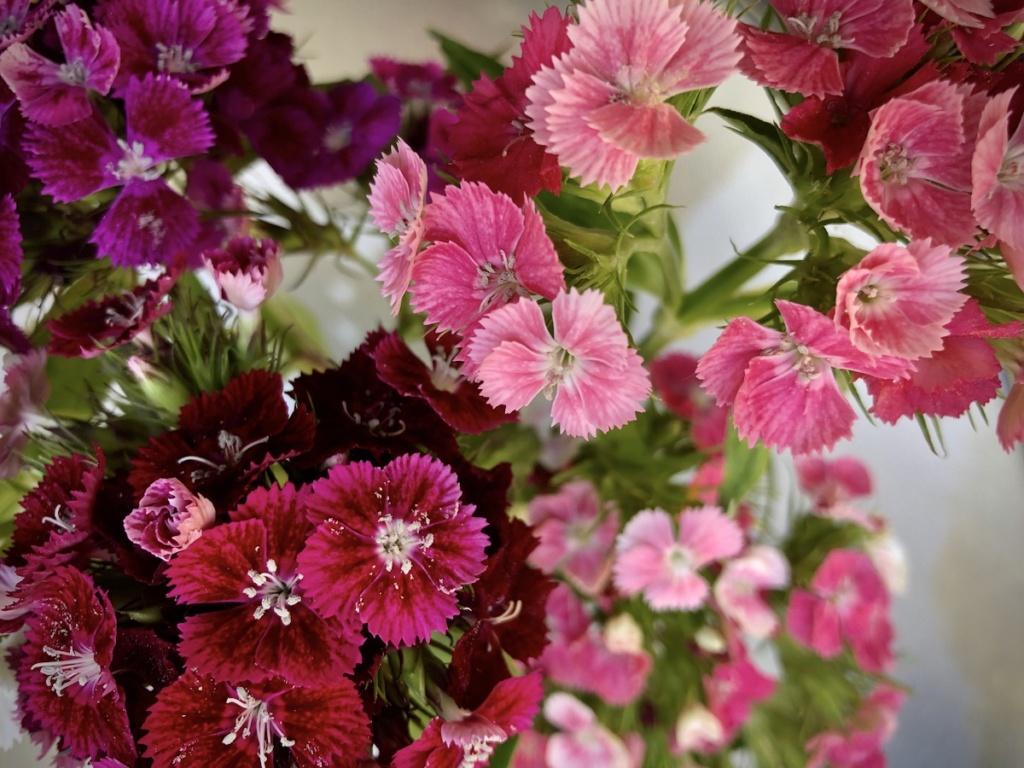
{"points": [[960, 517]]}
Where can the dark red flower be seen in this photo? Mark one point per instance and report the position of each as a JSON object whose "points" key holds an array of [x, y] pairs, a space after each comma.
{"points": [[226, 439]]}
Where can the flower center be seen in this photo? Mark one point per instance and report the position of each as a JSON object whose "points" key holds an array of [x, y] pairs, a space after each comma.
{"points": [[175, 59], [255, 718], [679, 560], [231, 449], [825, 33], [153, 225], [498, 283], [64, 524], [894, 164], [127, 312], [442, 375], [338, 136], [396, 541], [73, 72], [1011, 172], [560, 365], [134, 164], [69, 668], [276, 594]]}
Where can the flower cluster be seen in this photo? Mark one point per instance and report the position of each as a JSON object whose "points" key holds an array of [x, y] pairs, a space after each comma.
{"points": [[227, 549]]}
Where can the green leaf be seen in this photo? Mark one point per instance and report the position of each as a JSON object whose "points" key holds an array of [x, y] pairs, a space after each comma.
{"points": [[465, 63], [73, 380], [744, 467]]}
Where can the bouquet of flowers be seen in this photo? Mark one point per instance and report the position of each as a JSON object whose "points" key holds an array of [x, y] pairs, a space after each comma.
{"points": [[516, 526]]}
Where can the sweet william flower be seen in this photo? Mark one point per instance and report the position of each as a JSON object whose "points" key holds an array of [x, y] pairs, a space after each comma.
{"points": [[861, 744], [265, 624], [582, 741], [732, 689], [198, 721], [653, 560], [997, 168], [739, 588], [58, 94], [168, 518], [247, 270], [393, 545], [596, 380]]}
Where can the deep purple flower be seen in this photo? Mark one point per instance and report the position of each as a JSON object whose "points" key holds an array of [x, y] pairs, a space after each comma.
{"points": [[193, 41], [315, 139], [198, 721], [12, 157], [265, 625], [10, 252], [211, 188], [393, 546], [148, 222], [65, 684], [58, 94]]}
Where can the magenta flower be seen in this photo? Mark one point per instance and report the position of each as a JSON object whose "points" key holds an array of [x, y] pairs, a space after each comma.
{"points": [[393, 546], [804, 58], [491, 140], [1010, 426], [65, 684], [247, 270], [265, 625], [897, 300], [739, 589], [847, 601], [601, 107], [57, 94], [486, 251], [461, 738], [148, 222], [193, 41], [965, 371], [861, 744], [398, 193], [168, 518], [732, 689], [650, 558], [577, 535], [674, 378], [200, 721], [596, 379], [781, 385], [915, 167]]}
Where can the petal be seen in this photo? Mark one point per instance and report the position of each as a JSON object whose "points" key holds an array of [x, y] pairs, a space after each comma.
{"points": [[649, 131], [149, 223], [709, 535]]}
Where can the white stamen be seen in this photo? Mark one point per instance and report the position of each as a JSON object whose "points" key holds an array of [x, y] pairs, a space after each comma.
{"points": [[256, 718], [69, 668]]}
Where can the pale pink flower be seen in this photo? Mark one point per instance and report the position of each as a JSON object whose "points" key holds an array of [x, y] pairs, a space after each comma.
{"points": [[897, 300], [698, 730], [832, 484], [485, 251], [847, 601], [965, 13], [739, 588], [998, 175], [1010, 425], [168, 518], [601, 107], [804, 57], [398, 193], [582, 741], [650, 558], [915, 167], [890, 560], [577, 534], [247, 270], [781, 385], [597, 380]]}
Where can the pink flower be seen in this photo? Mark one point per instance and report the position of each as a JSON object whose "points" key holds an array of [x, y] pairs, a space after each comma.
{"points": [[674, 376], [393, 546], [582, 656], [582, 741], [832, 484], [781, 385], [265, 625], [577, 534], [915, 167], [168, 518], [58, 94], [247, 270], [601, 107], [596, 379], [898, 300], [397, 195], [651, 559], [462, 738], [998, 176], [738, 589], [860, 744], [485, 251], [1010, 426], [804, 58], [965, 371], [197, 720], [732, 689], [848, 601], [22, 406]]}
